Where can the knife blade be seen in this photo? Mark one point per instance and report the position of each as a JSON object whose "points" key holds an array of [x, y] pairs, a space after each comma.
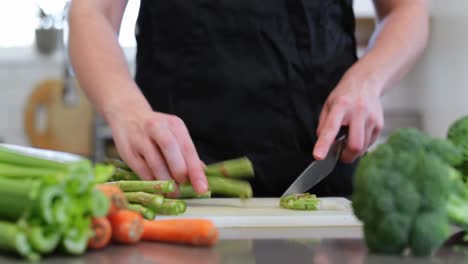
{"points": [[318, 169]]}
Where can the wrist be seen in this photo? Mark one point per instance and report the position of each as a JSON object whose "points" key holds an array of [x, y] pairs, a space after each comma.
{"points": [[368, 77], [131, 100]]}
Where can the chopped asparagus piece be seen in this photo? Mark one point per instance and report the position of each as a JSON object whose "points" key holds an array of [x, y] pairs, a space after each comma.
{"points": [[300, 201]]}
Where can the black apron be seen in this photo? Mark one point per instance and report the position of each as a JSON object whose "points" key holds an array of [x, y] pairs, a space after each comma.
{"points": [[248, 77]]}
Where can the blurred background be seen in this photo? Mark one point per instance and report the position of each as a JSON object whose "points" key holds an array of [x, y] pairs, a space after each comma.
{"points": [[41, 104]]}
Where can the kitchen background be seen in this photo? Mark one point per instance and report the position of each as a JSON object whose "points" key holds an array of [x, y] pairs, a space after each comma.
{"points": [[430, 97]]}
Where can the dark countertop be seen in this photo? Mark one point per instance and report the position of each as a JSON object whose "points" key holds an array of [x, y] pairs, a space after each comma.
{"points": [[314, 245]]}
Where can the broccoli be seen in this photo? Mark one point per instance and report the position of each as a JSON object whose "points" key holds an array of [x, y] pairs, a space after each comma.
{"points": [[407, 193], [458, 134]]}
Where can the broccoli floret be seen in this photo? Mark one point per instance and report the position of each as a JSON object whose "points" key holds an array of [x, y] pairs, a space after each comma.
{"points": [[457, 133], [407, 192]]}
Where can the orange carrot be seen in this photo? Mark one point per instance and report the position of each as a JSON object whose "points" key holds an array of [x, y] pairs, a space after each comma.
{"points": [[127, 226], [102, 233], [199, 232], [116, 197]]}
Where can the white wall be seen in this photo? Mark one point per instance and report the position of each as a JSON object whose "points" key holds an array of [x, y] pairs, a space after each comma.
{"points": [[442, 74], [438, 85]]}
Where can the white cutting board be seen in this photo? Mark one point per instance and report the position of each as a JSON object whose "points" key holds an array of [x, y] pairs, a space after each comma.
{"points": [[266, 212]]}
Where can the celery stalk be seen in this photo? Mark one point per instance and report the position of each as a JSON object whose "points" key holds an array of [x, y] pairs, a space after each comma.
{"points": [[13, 240], [43, 239], [17, 198]]}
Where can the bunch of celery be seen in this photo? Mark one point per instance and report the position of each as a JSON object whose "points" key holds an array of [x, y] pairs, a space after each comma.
{"points": [[226, 178], [47, 200]]}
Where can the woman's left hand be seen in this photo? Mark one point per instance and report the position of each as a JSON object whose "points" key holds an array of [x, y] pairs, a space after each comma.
{"points": [[354, 103]]}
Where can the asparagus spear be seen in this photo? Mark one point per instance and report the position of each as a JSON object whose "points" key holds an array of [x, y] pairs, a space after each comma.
{"points": [[147, 213], [155, 187], [124, 175], [117, 163], [171, 207], [230, 187], [186, 191], [235, 168], [300, 201], [152, 201]]}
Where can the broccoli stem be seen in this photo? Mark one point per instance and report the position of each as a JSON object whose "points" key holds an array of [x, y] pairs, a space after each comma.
{"points": [[155, 187], [152, 201], [235, 168]]}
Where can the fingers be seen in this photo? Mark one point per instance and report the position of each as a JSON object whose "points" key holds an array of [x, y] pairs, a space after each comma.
{"points": [[327, 134], [137, 163], [155, 160], [357, 137], [195, 167], [169, 147], [176, 148]]}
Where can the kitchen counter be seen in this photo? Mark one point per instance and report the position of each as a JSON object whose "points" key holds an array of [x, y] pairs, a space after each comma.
{"points": [[314, 245]]}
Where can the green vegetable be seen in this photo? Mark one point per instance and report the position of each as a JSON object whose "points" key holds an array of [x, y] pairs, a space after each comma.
{"points": [[156, 187], [186, 192], [171, 207], [47, 200], [218, 174], [458, 134], [124, 175], [147, 213], [152, 201], [99, 203], [77, 235], [235, 168], [300, 201], [407, 191], [103, 172], [229, 187], [14, 240], [43, 239], [117, 163]]}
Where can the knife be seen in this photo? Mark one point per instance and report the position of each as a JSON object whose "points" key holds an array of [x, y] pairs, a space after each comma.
{"points": [[318, 169]]}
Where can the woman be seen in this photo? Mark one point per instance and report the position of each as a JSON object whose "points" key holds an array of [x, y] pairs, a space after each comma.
{"points": [[218, 79]]}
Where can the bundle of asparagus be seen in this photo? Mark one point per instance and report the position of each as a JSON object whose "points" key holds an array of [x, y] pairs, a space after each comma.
{"points": [[149, 197], [47, 200], [226, 178]]}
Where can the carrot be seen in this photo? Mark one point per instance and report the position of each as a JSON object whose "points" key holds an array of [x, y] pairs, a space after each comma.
{"points": [[127, 226], [198, 232], [102, 233], [116, 197]]}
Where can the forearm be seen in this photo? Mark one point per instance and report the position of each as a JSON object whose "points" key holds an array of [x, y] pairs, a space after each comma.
{"points": [[98, 59], [400, 37]]}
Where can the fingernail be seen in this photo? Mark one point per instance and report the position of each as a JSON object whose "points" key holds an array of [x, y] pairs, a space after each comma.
{"points": [[318, 154], [202, 185]]}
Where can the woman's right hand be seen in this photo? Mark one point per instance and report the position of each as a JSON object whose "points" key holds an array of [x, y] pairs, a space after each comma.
{"points": [[157, 146]]}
